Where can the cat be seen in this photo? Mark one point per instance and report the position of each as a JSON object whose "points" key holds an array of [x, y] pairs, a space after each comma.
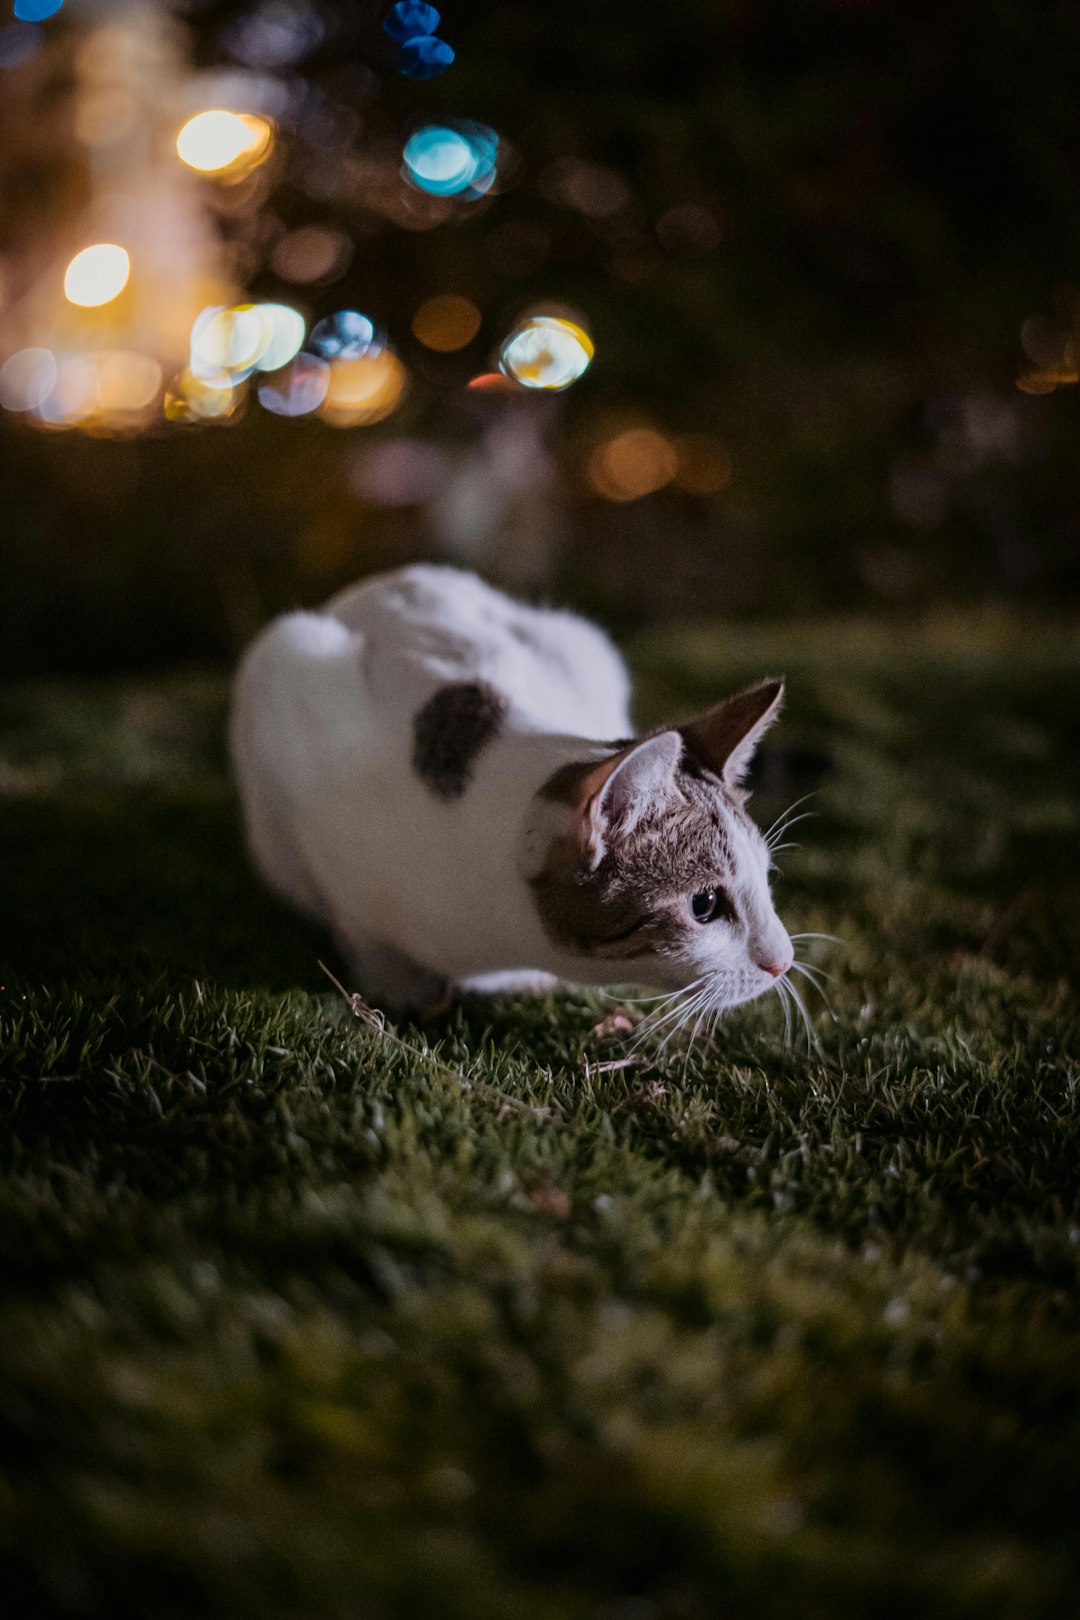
{"points": [[449, 780]]}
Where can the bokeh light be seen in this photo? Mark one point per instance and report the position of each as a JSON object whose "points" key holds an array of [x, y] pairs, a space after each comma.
{"points": [[286, 329], [275, 34], [106, 390], [363, 390], [227, 342], [313, 253], [446, 323], [35, 11], [634, 463], [200, 399], [548, 352], [71, 400], [425, 57], [128, 383], [410, 19], [226, 144], [452, 159], [491, 382], [26, 379], [297, 389], [248, 337], [591, 188], [97, 275], [344, 336]]}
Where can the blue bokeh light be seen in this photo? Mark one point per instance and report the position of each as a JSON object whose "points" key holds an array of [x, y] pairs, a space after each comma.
{"points": [[451, 159], [425, 57], [410, 19], [33, 11], [344, 336]]}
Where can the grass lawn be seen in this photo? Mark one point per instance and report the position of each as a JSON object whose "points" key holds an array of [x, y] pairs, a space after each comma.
{"points": [[479, 1321]]}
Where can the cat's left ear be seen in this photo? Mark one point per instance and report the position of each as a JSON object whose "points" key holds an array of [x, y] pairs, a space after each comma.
{"points": [[724, 737], [614, 794]]}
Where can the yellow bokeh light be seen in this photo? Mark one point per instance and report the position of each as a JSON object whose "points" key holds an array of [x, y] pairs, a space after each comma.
{"points": [[222, 143], [446, 323], [547, 351], [97, 275], [102, 390], [363, 390], [244, 339], [128, 382], [73, 397], [198, 399], [635, 463], [286, 332]]}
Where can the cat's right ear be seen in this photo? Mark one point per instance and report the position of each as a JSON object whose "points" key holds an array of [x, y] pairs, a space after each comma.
{"points": [[725, 737]]}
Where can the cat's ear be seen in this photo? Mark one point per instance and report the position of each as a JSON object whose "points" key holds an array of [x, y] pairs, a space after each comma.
{"points": [[613, 794], [604, 798], [724, 737]]}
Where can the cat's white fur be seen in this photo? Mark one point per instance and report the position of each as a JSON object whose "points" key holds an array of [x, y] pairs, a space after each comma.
{"points": [[420, 889]]}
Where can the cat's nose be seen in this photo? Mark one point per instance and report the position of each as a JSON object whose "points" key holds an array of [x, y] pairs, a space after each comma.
{"points": [[768, 964]]}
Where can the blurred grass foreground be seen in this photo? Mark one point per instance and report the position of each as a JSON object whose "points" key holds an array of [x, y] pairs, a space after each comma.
{"points": [[497, 1318]]}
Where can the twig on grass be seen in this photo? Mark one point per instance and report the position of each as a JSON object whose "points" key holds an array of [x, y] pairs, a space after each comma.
{"points": [[614, 1063], [376, 1020]]}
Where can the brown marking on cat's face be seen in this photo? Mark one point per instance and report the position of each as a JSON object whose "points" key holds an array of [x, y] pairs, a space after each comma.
{"points": [[620, 869], [450, 731], [633, 901]]}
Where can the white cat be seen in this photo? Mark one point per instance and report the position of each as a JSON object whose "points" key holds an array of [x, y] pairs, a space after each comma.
{"points": [[448, 780]]}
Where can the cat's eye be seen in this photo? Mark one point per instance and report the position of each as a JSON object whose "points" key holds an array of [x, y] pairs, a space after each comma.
{"points": [[708, 904]]}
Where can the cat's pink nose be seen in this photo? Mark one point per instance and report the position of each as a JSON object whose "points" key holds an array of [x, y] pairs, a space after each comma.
{"points": [[776, 967]]}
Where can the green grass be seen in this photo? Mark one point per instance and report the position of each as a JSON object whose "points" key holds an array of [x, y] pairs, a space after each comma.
{"points": [[477, 1321]]}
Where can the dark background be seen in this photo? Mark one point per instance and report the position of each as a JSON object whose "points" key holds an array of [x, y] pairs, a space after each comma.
{"points": [[893, 192]]}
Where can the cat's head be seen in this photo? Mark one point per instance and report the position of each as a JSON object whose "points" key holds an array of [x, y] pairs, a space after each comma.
{"points": [[646, 866]]}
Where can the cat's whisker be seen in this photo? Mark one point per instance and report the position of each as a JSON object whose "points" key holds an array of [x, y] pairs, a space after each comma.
{"points": [[813, 1044], [812, 971], [830, 938], [781, 991], [679, 1007], [773, 842], [807, 974], [702, 1015], [674, 998], [784, 823], [669, 998], [785, 813], [643, 1001], [691, 1008], [713, 1014]]}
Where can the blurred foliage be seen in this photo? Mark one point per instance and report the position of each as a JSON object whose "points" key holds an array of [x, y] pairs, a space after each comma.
{"points": [[891, 191]]}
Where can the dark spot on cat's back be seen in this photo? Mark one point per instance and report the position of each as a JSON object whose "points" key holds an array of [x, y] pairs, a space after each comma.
{"points": [[450, 731]]}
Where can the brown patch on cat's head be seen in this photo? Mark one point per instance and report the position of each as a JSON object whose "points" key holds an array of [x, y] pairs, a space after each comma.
{"points": [[624, 895]]}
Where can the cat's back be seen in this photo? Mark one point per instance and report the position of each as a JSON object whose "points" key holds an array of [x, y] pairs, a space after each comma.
{"points": [[425, 627]]}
